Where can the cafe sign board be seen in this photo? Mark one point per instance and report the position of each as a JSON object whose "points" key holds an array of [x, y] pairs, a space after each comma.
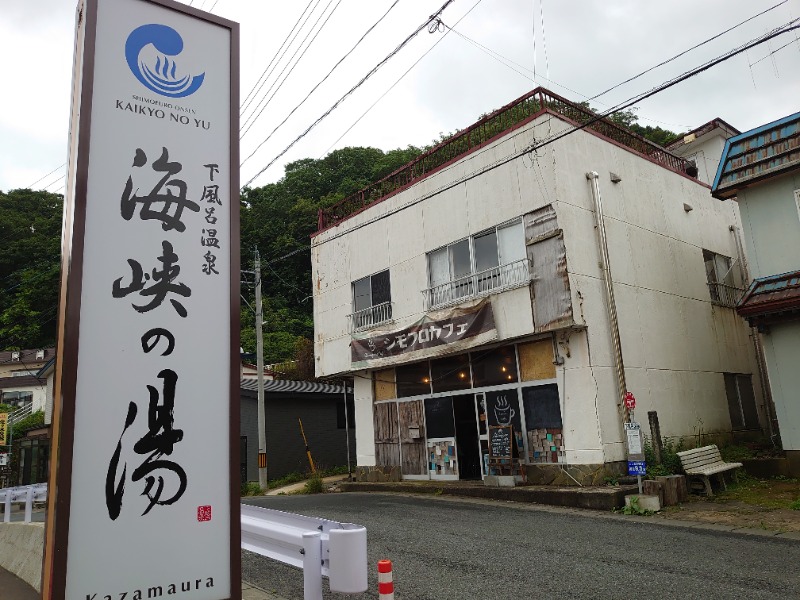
{"points": [[145, 503]]}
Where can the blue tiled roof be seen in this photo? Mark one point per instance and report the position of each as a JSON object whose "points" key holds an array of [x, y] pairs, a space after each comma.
{"points": [[758, 154]]}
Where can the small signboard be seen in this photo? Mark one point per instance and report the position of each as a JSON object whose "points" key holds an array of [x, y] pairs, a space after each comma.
{"points": [[637, 467], [3, 429], [630, 401], [4, 459], [500, 442], [634, 434]]}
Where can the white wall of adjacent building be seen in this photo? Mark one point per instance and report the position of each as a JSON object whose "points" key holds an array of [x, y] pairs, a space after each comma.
{"points": [[676, 343], [771, 212]]}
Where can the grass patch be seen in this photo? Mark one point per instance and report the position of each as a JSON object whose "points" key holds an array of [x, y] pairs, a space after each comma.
{"points": [[251, 488], [779, 493]]}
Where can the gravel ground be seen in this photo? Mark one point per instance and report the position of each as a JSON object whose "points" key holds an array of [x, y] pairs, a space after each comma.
{"points": [[442, 547]]}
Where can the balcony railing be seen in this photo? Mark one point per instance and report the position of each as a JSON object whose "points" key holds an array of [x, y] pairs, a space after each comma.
{"points": [[725, 295], [494, 280], [370, 317]]}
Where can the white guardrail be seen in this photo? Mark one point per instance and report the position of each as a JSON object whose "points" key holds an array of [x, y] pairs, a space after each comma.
{"points": [[322, 548], [24, 493]]}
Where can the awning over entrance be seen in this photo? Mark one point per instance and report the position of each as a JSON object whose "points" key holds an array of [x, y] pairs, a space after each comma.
{"points": [[771, 299]]}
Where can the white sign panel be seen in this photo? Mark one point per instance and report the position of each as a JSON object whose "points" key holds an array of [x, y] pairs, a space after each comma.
{"points": [[150, 506], [634, 433]]}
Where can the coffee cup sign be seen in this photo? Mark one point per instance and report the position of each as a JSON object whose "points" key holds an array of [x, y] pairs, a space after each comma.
{"points": [[503, 413]]}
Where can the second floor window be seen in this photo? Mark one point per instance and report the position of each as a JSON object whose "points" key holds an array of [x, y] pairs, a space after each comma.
{"points": [[372, 300], [488, 260], [721, 280]]}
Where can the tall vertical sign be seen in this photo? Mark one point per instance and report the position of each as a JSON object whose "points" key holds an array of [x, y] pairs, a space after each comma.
{"points": [[144, 477]]}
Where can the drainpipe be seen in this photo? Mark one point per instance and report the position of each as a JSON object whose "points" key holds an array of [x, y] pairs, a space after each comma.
{"points": [[758, 345], [610, 304]]}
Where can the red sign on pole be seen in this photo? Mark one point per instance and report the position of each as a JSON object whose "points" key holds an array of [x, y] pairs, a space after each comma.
{"points": [[630, 401]]}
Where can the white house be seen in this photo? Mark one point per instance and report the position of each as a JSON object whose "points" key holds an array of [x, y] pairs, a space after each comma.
{"points": [[19, 384], [496, 281], [760, 168]]}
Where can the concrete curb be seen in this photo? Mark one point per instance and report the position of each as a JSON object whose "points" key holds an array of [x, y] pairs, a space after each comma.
{"points": [[296, 487], [597, 498]]}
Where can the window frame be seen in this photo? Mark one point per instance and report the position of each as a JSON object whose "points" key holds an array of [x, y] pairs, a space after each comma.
{"points": [[471, 244]]}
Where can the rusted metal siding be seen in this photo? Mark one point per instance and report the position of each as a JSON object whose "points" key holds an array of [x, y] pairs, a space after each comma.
{"points": [[550, 295]]}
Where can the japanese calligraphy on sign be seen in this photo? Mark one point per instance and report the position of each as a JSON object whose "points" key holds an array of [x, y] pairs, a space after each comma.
{"points": [[444, 330], [150, 283]]}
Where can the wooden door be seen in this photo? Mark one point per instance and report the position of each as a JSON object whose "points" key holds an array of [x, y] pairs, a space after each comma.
{"points": [[412, 438], [387, 440]]}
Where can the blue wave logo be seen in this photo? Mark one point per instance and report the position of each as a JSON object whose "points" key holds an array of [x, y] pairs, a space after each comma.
{"points": [[157, 71]]}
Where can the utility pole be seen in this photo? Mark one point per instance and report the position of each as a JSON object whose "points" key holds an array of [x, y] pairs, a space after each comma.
{"points": [[262, 429]]}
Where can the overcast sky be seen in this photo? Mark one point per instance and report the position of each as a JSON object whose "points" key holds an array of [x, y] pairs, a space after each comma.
{"points": [[575, 48]]}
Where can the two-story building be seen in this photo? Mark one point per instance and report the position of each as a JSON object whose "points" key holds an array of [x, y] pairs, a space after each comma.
{"points": [[760, 168], [529, 271]]}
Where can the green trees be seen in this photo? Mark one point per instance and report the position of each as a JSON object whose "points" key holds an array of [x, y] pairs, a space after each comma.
{"points": [[279, 219], [30, 230]]}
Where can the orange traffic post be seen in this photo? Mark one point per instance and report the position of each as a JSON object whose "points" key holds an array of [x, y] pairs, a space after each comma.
{"points": [[385, 583]]}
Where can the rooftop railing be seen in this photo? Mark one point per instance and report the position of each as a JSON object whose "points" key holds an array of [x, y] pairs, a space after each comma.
{"points": [[487, 129]]}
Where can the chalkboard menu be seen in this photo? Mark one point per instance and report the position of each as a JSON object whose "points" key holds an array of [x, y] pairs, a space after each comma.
{"points": [[500, 440]]}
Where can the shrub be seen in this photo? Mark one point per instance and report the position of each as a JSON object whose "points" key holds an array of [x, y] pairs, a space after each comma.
{"points": [[670, 461], [314, 484], [251, 488]]}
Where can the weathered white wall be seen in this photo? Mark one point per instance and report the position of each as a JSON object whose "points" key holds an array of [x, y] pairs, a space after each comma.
{"points": [[782, 353], [365, 426], [706, 152], [676, 344], [771, 226]]}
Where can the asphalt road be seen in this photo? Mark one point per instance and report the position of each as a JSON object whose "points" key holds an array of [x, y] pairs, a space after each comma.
{"points": [[446, 548]]}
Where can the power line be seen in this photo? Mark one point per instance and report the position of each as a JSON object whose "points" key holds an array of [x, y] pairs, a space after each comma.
{"points": [[264, 103], [789, 43], [711, 39], [399, 79], [503, 60], [341, 60], [787, 27], [245, 101], [46, 176], [350, 91]]}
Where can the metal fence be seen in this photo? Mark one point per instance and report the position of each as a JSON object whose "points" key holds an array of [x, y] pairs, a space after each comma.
{"points": [[725, 295], [370, 317]]}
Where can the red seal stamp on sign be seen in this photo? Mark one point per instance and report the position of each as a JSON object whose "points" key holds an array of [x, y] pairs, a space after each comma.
{"points": [[204, 513]]}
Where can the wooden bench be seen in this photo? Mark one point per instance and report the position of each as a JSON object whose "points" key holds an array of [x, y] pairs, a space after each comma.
{"points": [[704, 462]]}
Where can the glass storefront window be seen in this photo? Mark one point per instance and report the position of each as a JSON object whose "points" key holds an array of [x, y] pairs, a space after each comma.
{"points": [[494, 367], [450, 373], [413, 380]]}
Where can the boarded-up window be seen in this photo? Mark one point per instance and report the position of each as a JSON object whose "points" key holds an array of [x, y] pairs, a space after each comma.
{"points": [[552, 304], [384, 383], [536, 360]]}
